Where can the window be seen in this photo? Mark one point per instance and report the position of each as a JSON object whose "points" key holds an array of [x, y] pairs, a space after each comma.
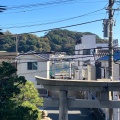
{"points": [[79, 52], [78, 63], [86, 52], [99, 47], [32, 65], [78, 41], [85, 63]]}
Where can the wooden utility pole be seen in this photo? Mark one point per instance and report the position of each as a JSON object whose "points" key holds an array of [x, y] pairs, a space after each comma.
{"points": [[16, 44], [111, 2], [110, 63]]}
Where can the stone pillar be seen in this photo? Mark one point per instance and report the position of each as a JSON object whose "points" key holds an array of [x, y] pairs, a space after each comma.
{"points": [[70, 69], [63, 107], [105, 96]]}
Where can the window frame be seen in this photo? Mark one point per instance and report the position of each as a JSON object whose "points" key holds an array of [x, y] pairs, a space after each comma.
{"points": [[32, 66], [86, 52]]}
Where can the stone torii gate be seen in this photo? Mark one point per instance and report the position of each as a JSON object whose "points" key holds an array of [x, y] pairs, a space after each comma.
{"points": [[63, 85]]}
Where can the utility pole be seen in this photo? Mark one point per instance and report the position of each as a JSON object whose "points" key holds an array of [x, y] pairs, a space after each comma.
{"points": [[110, 63], [111, 2], [16, 44]]}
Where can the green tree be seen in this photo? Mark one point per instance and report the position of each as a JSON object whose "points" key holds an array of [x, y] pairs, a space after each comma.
{"points": [[54, 40], [11, 88], [29, 97]]}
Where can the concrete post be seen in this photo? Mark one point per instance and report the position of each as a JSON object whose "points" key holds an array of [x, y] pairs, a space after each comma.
{"points": [[63, 107], [70, 69], [106, 95], [115, 110], [53, 68]]}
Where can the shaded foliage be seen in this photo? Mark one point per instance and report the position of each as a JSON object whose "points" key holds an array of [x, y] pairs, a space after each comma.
{"points": [[12, 86], [54, 40]]}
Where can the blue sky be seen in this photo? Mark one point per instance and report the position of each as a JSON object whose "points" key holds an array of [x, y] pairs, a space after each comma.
{"points": [[46, 12]]}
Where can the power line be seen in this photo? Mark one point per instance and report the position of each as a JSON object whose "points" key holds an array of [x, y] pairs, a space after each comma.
{"points": [[40, 4], [45, 70], [40, 71], [48, 3], [51, 3], [54, 52], [44, 5], [59, 59], [58, 27], [71, 18], [65, 26], [29, 24]]}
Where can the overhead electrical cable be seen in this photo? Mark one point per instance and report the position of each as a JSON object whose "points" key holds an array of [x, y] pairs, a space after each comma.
{"points": [[41, 4], [71, 18], [65, 26], [48, 3], [53, 52], [29, 7], [57, 27], [37, 23]]}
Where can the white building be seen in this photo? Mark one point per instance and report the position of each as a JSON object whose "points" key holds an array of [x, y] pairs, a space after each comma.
{"points": [[116, 66], [31, 64], [61, 65], [116, 76], [85, 51]]}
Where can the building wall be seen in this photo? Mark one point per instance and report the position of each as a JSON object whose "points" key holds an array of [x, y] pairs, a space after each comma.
{"points": [[104, 70], [8, 57], [116, 76], [43, 68], [87, 42]]}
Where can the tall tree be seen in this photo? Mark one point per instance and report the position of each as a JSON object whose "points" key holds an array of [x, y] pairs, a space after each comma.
{"points": [[29, 97], [11, 86], [54, 40]]}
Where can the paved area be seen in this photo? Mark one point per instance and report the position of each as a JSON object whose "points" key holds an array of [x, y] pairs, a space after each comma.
{"points": [[73, 114]]}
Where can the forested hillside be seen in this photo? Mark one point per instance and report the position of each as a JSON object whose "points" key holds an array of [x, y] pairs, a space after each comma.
{"points": [[55, 40]]}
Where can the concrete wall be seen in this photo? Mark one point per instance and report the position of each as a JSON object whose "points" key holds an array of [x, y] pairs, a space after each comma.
{"points": [[71, 94], [87, 42], [116, 73], [104, 70], [43, 68], [91, 72]]}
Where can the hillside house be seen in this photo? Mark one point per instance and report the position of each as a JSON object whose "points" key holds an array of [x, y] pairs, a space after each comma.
{"points": [[103, 64], [8, 57], [31, 64], [87, 51], [102, 72]]}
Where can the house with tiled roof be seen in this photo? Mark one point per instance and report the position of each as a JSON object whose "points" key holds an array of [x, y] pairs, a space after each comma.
{"points": [[33, 64], [103, 65], [102, 70], [8, 57]]}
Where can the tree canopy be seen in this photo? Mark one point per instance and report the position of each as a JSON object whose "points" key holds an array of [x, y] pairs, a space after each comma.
{"points": [[16, 96], [54, 40]]}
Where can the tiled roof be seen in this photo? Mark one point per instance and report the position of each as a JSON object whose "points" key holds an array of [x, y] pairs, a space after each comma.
{"points": [[44, 56], [116, 56], [8, 55]]}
